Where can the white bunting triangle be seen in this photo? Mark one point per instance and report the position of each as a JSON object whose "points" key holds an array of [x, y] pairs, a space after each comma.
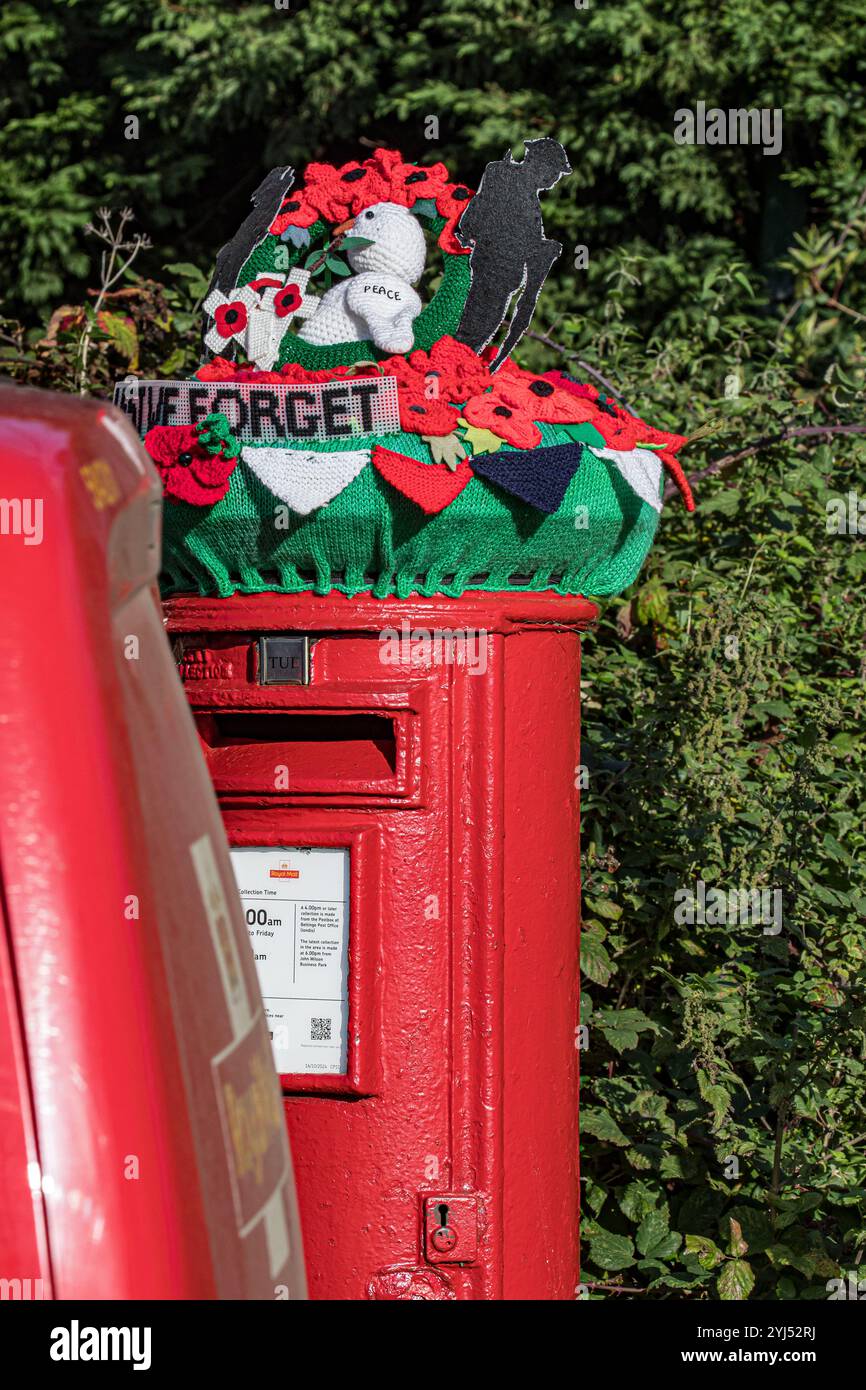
{"points": [[302, 478], [641, 469]]}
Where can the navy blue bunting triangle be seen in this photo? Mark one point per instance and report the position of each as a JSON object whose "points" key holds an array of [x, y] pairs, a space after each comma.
{"points": [[538, 476]]}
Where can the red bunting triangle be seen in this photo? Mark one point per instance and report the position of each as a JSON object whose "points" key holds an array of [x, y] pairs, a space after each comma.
{"points": [[432, 486]]}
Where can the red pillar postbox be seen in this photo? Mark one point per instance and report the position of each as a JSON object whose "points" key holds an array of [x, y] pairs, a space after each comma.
{"points": [[398, 779], [397, 519]]}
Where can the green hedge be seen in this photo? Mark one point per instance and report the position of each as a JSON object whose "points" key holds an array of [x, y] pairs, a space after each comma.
{"points": [[723, 1111]]}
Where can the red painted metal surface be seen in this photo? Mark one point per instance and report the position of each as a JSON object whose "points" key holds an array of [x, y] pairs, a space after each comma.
{"points": [[133, 1048], [462, 823]]}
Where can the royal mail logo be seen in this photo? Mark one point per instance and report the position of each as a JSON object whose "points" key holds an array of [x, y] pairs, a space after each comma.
{"points": [[285, 870]]}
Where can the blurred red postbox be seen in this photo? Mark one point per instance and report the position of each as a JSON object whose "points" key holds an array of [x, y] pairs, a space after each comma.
{"points": [[398, 779], [142, 1149]]}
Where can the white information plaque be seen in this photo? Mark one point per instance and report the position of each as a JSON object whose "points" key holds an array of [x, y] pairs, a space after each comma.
{"points": [[296, 906]]}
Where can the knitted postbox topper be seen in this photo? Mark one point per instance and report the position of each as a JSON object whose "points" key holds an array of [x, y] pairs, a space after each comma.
{"points": [[358, 421]]}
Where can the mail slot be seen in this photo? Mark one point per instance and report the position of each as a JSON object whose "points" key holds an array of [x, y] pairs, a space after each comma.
{"points": [[403, 831], [277, 750]]}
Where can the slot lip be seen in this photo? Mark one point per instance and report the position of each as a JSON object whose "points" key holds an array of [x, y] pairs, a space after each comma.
{"points": [[249, 768]]}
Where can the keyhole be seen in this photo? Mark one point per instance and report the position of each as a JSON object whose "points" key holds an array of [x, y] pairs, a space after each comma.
{"points": [[443, 1213]]}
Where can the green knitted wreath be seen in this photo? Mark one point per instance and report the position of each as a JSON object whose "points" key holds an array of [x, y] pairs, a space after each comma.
{"points": [[481, 475], [437, 319]]}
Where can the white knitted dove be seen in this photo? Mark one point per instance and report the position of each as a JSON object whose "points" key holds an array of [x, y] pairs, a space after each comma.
{"points": [[378, 302]]}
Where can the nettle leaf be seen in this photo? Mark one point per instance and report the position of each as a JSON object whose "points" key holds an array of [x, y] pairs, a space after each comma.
{"points": [[736, 1244], [602, 1124], [736, 1281], [595, 963], [604, 907], [638, 1199], [707, 1252], [715, 1096], [653, 1234], [756, 1227], [121, 333], [622, 1028], [611, 1252], [594, 1196]]}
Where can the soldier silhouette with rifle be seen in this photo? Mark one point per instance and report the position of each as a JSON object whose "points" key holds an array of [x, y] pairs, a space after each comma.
{"points": [[509, 252]]}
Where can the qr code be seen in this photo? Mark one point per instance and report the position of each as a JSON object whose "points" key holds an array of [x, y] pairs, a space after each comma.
{"points": [[320, 1029]]}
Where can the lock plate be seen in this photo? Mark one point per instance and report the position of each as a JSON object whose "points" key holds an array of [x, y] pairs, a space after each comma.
{"points": [[450, 1224], [284, 661]]}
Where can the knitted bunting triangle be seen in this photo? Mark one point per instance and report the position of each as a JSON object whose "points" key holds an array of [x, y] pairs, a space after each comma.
{"points": [[302, 479], [641, 469], [431, 486], [538, 476]]}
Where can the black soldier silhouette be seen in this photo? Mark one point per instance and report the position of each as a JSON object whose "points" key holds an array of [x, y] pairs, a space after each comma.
{"points": [[509, 252], [267, 201]]}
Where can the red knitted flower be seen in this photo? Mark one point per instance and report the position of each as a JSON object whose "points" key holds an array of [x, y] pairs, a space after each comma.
{"points": [[620, 430], [262, 378], [296, 210], [505, 417], [459, 371], [450, 204], [337, 193], [287, 300], [293, 374], [576, 388], [408, 182], [218, 369], [231, 318], [539, 398], [401, 368], [188, 472], [418, 415]]}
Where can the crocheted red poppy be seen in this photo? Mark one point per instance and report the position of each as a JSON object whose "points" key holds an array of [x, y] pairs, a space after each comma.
{"points": [[507, 419], [459, 370], [450, 204], [218, 369], [296, 210], [539, 398], [409, 182], [231, 318], [261, 377], [418, 415], [575, 388], [287, 300], [339, 193], [402, 369], [293, 374], [188, 472]]}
